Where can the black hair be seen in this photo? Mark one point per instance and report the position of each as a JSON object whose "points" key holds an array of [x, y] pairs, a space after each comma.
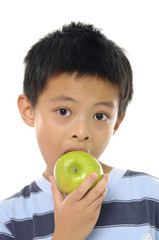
{"points": [[80, 48]]}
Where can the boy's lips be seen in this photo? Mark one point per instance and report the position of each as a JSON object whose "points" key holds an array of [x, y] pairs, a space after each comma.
{"points": [[76, 149]]}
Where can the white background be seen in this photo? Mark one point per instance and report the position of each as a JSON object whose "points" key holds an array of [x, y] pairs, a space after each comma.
{"points": [[134, 25]]}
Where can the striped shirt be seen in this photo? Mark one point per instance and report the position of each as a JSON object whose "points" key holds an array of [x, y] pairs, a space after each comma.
{"points": [[130, 210]]}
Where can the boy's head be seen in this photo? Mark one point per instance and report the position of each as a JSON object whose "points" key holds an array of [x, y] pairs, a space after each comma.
{"points": [[77, 86], [77, 48]]}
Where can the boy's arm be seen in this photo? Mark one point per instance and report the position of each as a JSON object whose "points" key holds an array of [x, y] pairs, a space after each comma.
{"points": [[76, 215]]}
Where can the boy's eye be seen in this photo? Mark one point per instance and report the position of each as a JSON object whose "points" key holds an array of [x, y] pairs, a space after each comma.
{"points": [[101, 117], [63, 112]]}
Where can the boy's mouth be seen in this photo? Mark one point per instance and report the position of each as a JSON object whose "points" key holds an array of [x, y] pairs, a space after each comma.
{"points": [[76, 149]]}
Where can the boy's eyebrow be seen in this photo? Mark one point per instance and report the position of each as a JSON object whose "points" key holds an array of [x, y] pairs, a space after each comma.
{"points": [[62, 98], [106, 103], [68, 98]]}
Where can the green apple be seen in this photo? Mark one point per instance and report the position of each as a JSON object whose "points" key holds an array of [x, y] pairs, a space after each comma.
{"points": [[73, 167]]}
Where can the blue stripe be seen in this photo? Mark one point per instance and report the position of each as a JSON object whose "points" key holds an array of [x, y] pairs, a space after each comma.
{"points": [[130, 173], [27, 191], [129, 213], [37, 227]]}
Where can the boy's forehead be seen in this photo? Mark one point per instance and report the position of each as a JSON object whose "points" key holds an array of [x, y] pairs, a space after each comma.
{"points": [[67, 86], [76, 79]]}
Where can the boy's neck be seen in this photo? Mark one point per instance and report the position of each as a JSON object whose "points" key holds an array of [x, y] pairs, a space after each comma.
{"points": [[106, 168]]}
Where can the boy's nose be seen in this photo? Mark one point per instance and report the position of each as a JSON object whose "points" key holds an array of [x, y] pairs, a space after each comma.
{"points": [[81, 132], [80, 138]]}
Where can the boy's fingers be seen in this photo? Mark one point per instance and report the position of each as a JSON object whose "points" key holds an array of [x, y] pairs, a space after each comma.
{"points": [[57, 194], [83, 188], [99, 189]]}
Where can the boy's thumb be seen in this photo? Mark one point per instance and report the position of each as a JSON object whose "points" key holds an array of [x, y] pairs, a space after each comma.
{"points": [[56, 193]]}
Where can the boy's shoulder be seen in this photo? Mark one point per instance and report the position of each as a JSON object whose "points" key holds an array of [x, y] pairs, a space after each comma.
{"points": [[141, 179], [33, 191], [26, 191], [28, 207], [18, 202], [128, 185], [132, 173]]}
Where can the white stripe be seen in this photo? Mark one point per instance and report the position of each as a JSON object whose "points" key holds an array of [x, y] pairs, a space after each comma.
{"points": [[27, 219], [5, 234], [122, 233], [136, 187], [48, 237], [127, 225], [132, 200], [23, 208]]}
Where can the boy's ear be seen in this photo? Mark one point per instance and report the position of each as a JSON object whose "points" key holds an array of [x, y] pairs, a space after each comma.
{"points": [[26, 110], [118, 122]]}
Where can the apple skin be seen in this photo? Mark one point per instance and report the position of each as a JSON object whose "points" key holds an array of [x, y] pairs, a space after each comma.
{"points": [[73, 167]]}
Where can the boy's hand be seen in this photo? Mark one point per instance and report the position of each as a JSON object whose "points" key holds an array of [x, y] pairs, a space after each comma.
{"points": [[76, 215]]}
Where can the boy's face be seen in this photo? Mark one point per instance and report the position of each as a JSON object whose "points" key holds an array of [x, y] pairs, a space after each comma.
{"points": [[74, 114]]}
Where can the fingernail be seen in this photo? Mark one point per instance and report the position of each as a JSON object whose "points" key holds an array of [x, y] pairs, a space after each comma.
{"points": [[94, 175], [50, 178]]}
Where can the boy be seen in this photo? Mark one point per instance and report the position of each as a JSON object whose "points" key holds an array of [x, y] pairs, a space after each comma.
{"points": [[77, 87]]}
